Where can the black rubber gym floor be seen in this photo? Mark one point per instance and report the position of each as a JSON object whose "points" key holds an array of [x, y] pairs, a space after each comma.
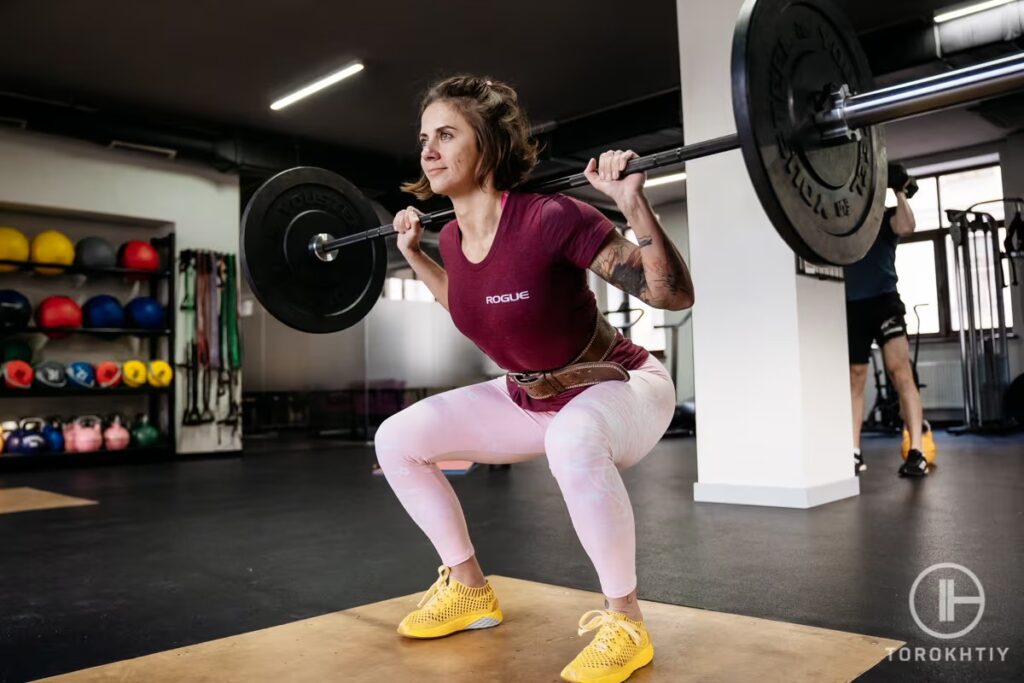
{"points": [[180, 553]]}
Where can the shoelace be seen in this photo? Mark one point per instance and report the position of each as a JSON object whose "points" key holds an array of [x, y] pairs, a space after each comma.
{"points": [[596, 618], [442, 581]]}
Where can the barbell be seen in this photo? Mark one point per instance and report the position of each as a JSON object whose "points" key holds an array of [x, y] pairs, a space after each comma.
{"points": [[806, 122]]}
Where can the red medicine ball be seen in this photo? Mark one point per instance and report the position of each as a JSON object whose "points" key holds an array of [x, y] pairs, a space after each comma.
{"points": [[58, 311], [17, 374], [138, 255], [108, 374]]}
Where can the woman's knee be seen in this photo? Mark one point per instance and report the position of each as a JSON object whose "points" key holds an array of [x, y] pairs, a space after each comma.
{"points": [[401, 439], [575, 443]]}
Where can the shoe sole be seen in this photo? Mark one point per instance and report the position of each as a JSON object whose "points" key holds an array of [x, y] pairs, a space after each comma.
{"points": [[913, 474], [469, 622], [639, 661]]}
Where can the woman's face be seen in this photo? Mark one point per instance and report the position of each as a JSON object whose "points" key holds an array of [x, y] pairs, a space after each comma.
{"points": [[448, 150]]}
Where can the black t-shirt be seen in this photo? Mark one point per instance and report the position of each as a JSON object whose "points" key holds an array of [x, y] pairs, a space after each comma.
{"points": [[875, 274]]}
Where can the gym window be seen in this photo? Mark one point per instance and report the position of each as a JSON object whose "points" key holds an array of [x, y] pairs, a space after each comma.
{"points": [[406, 289], [924, 260]]}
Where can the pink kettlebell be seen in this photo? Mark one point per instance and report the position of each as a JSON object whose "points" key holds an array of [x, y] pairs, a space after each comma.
{"points": [[115, 436], [70, 438], [87, 434]]}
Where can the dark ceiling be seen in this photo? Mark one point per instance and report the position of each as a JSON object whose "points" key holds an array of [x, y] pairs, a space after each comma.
{"points": [[221, 64], [226, 61]]}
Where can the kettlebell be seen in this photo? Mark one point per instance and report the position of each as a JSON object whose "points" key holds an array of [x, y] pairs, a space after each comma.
{"points": [[86, 434], [144, 434], [13, 435], [53, 435], [32, 439], [7, 427], [115, 436]]}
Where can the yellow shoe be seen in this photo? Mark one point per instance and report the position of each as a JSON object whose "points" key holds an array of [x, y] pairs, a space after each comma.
{"points": [[621, 646], [450, 606]]}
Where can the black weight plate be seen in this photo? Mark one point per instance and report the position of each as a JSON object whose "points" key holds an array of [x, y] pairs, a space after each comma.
{"points": [[825, 198], [297, 288]]}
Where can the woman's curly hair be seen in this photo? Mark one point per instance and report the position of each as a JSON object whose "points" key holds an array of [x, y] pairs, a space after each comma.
{"points": [[502, 130]]}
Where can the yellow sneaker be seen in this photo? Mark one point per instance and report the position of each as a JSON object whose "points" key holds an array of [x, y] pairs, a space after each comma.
{"points": [[450, 606], [620, 647]]}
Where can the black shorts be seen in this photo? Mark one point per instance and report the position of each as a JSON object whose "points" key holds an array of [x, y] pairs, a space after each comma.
{"points": [[879, 318]]}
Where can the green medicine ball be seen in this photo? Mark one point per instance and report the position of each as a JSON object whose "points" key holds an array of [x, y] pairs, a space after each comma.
{"points": [[15, 349]]}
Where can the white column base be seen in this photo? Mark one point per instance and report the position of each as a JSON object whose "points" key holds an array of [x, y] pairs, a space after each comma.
{"points": [[776, 496]]}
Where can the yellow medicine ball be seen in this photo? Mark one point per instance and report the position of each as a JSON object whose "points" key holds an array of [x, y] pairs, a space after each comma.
{"points": [[52, 246], [133, 373], [160, 373], [13, 247]]}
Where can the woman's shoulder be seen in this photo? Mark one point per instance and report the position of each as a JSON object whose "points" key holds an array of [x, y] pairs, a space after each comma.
{"points": [[556, 207]]}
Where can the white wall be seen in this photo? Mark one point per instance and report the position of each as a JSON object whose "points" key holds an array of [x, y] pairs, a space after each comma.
{"points": [[49, 174], [411, 341]]}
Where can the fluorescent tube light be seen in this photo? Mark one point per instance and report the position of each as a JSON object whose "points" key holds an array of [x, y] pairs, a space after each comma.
{"points": [[317, 86]]}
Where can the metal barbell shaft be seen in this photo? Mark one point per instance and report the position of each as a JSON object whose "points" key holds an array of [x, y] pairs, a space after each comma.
{"points": [[930, 94], [847, 112], [673, 156]]}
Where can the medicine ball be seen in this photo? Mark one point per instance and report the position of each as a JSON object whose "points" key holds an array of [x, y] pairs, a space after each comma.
{"points": [[15, 309], [82, 374], [95, 252], [15, 349], [58, 311], [138, 255], [52, 246], [159, 373], [51, 374], [13, 247], [133, 373], [102, 311], [108, 374], [17, 374], [146, 313]]}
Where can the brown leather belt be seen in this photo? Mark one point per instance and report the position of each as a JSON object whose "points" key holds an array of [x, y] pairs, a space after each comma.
{"points": [[588, 368]]}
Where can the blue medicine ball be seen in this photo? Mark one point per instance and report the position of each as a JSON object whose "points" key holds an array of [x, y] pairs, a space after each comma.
{"points": [[103, 311], [82, 375], [146, 312], [15, 309]]}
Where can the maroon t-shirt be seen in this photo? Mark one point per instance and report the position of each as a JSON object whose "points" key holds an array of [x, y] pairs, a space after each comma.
{"points": [[527, 304]]}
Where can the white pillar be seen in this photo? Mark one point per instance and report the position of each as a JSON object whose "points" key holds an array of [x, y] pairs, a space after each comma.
{"points": [[770, 360]]}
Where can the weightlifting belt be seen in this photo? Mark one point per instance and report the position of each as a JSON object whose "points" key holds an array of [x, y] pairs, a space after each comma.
{"points": [[588, 368]]}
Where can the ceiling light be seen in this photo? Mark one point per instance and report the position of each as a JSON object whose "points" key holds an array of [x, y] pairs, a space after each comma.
{"points": [[970, 9], [317, 86], [665, 179]]}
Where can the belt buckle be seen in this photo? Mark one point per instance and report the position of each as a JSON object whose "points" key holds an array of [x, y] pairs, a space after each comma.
{"points": [[525, 377]]}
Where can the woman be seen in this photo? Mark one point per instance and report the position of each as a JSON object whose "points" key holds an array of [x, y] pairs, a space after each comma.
{"points": [[514, 280]]}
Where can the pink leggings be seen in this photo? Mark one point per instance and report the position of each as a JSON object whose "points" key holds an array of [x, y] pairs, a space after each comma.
{"points": [[607, 428]]}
